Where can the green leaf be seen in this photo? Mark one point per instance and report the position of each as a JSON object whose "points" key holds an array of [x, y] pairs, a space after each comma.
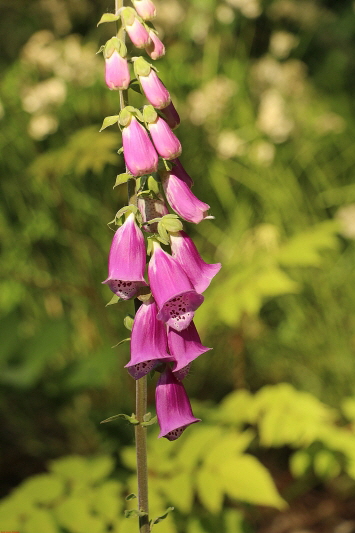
{"points": [[128, 322], [178, 490], [114, 300], [108, 17], [131, 496], [122, 178], [162, 517], [300, 461], [109, 121], [131, 513], [40, 520], [150, 422], [245, 478], [106, 500], [42, 488], [132, 419], [209, 490], [121, 342], [325, 465], [75, 515]]}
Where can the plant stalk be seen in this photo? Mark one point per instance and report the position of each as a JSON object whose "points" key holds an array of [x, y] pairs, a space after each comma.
{"points": [[141, 384]]}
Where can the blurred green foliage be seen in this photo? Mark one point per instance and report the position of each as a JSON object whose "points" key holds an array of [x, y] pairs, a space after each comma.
{"points": [[265, 92]]}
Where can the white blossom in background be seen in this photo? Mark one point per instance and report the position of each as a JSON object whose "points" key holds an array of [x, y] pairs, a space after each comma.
{"points": [[281, 44], [249, 8], [346, 216], [272, 117]]}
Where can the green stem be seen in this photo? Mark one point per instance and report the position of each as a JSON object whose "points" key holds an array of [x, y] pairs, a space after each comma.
{"points": [[141, 384]]}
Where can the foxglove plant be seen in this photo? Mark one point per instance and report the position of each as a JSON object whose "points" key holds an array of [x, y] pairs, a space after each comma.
{"points": [[164, 338]]}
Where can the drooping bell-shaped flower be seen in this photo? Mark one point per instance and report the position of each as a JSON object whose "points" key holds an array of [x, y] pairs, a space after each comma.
{"points": [[155, 48], [117, 74], [145, 9], [181, 198], [173, 407], [185, 252], [126, 262], [154, 89], [172, 290], [139, 153], [165, 141], [136, 30], [151, 208], [171, 116], [185, 346], [148, 341]]}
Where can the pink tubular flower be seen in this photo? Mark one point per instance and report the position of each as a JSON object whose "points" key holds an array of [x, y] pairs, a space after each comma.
{"points": [[154, 89], [135, 29], [116, 72], [155, 48], [151, 208], [181, 173], [148, 341], [181, 198], [139, 153], [185, 346], [126, 262], [145, 9], [166, 143], [172, 290], [171, 116], [172, 405], [185, 252]]}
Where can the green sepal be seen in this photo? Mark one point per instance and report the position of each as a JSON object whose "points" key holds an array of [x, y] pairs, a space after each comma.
{"points": [[171, 223], [132, 419], [128, 14], [109, 121], [134, 513], [120, 151], [121, 342], [163, 234], [115, 44], [162, 517], [122, 178], [153, 184], [102, 47], [131, 496], [128, 322], [114, 300], [150, 422], [141, 67], [126, 115], [108, 17], [149, 114], [126, 209]]}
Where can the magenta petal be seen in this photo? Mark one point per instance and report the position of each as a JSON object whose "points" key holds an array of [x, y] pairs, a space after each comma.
{"points": [[185, 346], [185, 252], [165, 141], [139, 153], [171, 116], [181, 173], [116, 71], [181, 198], [173, 291], [148, 341], [155, 48], [126, 262], [172, 405], [154, 89]]}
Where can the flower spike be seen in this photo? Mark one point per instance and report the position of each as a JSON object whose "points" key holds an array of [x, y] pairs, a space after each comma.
{"points": [[173, 408]]}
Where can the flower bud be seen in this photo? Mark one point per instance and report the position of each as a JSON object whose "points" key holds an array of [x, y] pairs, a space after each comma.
{"points": [[154, 89], [171, 116], [116, 66], [155, 49], [138, 151], [145, 9], [135, 29], [165, 141]]}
